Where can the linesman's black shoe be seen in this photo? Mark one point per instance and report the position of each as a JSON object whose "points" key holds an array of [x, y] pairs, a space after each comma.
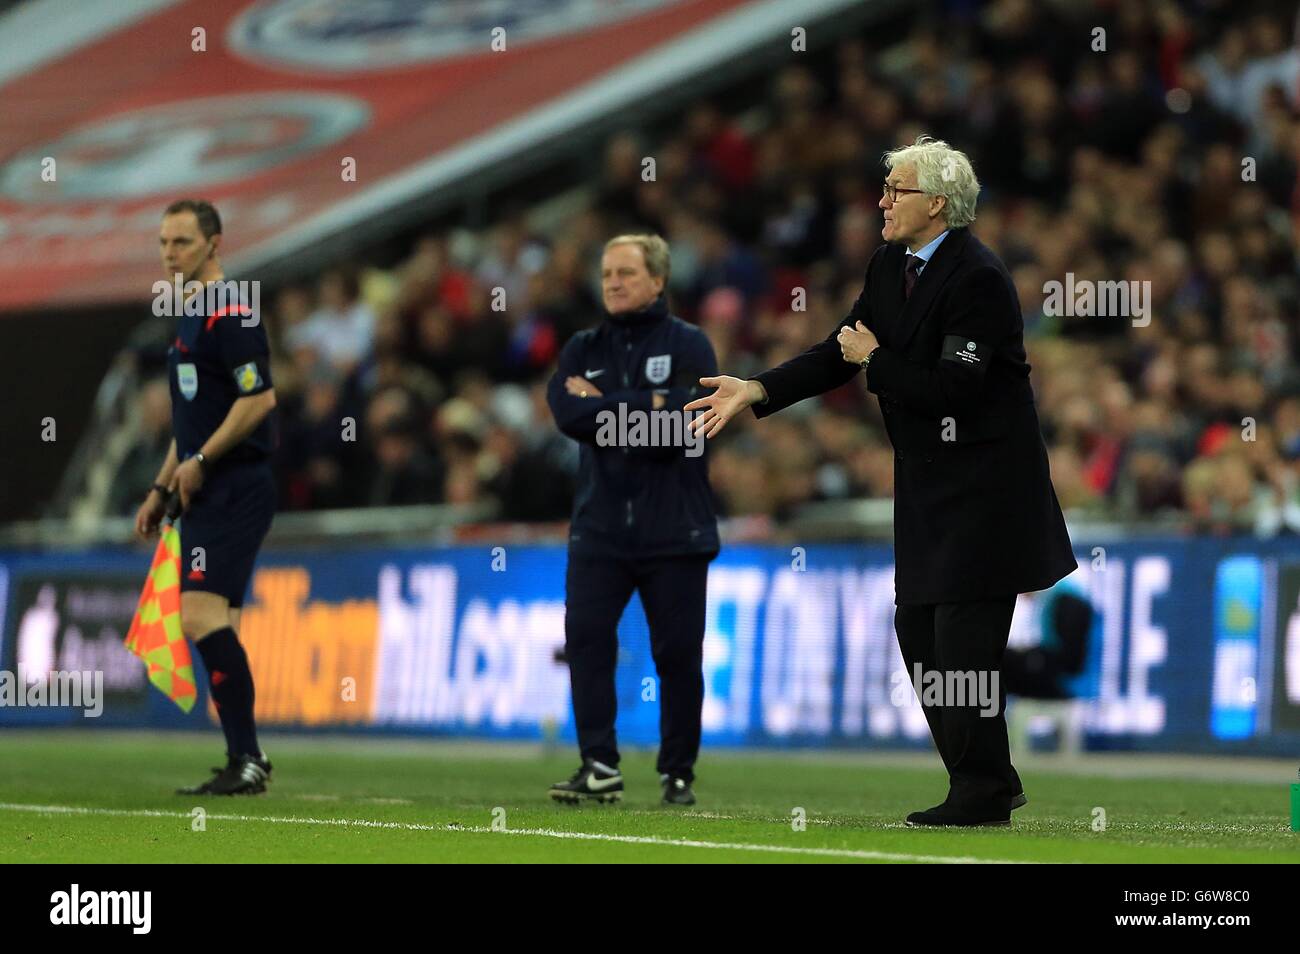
{"points": [[594, 782], [243, 775], [677, 791], [1019, 801]]}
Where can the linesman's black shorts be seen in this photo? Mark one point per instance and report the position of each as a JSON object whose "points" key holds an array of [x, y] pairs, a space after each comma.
{"points": [[229, 519]]}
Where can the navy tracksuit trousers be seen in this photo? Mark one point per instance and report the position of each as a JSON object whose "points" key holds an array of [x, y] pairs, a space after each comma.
{"points": [[597, 590]]}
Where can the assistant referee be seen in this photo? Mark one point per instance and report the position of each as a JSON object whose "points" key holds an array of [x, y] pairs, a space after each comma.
{"points": [[219, 462]]}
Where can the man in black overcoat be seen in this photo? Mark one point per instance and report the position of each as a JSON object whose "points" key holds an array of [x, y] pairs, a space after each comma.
{"points": [[938, 332]]}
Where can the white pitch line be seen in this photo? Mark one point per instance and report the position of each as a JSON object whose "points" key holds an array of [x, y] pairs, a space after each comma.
{"points": [[361, 801], [536, 832]]}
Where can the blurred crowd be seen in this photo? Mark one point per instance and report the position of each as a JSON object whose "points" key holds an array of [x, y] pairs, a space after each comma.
{"points": [[1169, 155]]}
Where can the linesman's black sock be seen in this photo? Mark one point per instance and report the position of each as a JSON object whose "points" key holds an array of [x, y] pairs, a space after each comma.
{"points": [[231, 683]]}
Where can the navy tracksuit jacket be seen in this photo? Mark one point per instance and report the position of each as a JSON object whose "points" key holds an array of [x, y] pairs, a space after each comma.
{"points": [[636, 501]]}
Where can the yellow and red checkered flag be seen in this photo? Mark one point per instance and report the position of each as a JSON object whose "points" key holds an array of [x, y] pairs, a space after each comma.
{"points": [[155, 635]]}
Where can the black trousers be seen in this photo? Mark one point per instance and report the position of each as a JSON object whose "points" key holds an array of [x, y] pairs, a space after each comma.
{"points": [[965, 637], [672, 589]]}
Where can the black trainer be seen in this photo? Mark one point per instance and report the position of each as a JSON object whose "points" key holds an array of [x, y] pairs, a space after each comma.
{"points": [[677, 791], [595, 781], [243, 775]]}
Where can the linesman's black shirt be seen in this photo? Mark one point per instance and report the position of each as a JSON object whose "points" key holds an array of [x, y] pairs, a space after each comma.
{"points": [[213, 361]]}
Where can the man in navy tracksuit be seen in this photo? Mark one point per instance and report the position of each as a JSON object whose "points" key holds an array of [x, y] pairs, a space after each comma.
{"points": [[642, 515]]}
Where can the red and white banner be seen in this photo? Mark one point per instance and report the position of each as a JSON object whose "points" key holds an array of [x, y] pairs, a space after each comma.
{"points": [[96, 140]]}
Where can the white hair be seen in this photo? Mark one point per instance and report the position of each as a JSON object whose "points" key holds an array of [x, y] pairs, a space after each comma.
{"points": [[941, 170]]}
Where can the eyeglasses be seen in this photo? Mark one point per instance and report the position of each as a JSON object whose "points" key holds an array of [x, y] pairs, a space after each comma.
{"points": [[893, 192]]}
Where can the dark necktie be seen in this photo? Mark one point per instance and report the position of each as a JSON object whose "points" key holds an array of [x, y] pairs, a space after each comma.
{"points": [[911, 273]]}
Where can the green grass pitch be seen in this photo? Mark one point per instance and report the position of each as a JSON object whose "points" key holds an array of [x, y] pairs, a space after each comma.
{"points": [[98, 796]]}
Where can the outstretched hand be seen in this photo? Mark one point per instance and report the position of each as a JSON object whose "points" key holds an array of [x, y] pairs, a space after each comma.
{"points": [[732, 396]]}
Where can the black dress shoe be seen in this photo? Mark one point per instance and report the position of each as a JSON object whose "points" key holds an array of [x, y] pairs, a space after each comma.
{"points": [[960, 817], [1019, 801]]}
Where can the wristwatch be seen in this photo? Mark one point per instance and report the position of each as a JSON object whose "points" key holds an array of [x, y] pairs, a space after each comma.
{"points": [[204, 464], [867, 360]]}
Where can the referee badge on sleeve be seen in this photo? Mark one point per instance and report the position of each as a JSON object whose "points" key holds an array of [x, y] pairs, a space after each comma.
{"points": [[247, 378]]}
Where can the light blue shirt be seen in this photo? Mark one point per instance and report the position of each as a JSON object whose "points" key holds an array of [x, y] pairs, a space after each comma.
{"points": [[928, 250]]}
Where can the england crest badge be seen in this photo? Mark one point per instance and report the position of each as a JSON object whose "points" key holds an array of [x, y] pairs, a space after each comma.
{"points": [[658, 368]]}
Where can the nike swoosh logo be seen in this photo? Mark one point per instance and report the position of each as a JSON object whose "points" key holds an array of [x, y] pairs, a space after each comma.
{"points": [[600, 784], [592, 374]]}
